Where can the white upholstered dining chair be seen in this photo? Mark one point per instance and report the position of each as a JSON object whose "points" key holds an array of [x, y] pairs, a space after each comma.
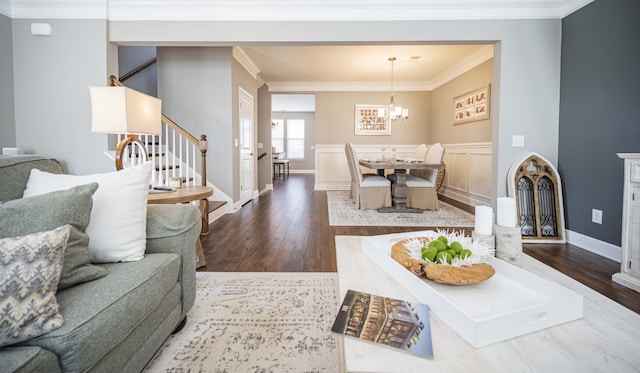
{"points": [[419, 153], [423, 193], [368, 191]]}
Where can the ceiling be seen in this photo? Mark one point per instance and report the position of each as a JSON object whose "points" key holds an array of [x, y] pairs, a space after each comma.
{"points": [[363, 67], [358, 68]]}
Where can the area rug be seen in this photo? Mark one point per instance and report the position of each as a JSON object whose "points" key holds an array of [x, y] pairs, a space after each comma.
{"points": [[343, 212], [257, 322]]}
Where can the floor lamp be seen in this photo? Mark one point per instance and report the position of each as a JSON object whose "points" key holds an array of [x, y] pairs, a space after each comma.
{"points": [[122, 110]]}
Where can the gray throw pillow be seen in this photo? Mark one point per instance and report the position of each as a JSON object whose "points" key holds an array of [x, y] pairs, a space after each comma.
{"points": [[28, 304], [49, 211]]}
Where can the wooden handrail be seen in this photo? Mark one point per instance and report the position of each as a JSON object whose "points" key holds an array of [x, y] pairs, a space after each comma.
{"points": [[114, 82], [137, 70], [200, 143]]}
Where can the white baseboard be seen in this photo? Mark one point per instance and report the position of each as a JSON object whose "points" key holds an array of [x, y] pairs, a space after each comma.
{"points": [[302, 171], [595, 246], [216, 214], [336, 185]]}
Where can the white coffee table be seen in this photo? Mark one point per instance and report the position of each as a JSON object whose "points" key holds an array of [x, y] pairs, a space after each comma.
{"points": [[605, 339]]}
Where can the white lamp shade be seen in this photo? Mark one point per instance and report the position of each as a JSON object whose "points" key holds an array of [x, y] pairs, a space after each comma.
{"points": [[124, 110]]}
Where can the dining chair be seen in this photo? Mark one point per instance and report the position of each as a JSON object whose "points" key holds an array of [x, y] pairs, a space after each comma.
{"points": [[423, 192], [280, 165], [369, 191], [419, 153]]}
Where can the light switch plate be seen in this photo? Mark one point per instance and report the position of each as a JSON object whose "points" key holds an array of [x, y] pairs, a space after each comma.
{"points": [[518, 141]]}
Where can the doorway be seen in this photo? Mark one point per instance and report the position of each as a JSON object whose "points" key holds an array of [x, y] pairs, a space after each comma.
{"points": [[293, 130], [245, 104]]}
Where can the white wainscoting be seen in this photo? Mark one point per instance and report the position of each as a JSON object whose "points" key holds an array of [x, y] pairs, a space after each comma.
{"points": [[468, 175]]}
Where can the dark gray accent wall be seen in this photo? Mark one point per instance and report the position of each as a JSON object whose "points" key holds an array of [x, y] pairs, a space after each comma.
{"points": [[599, 100], [7, 115]]}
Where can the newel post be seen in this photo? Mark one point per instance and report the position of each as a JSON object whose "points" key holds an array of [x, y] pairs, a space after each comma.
{"points": [[204, 203], [203, 153]]}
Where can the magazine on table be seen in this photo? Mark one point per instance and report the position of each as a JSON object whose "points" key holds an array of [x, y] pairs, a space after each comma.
{"points": [[385, 321]]}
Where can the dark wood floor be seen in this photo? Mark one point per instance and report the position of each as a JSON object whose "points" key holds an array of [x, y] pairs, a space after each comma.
{"points": [[287, 230]]}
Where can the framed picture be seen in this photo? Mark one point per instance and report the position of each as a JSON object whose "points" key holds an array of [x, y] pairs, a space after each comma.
{"points": [[472, 106], [373, 120]]}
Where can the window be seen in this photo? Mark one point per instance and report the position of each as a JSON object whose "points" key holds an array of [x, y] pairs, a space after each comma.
{"points": [[295, 138], [277, 134], [287, 135]]}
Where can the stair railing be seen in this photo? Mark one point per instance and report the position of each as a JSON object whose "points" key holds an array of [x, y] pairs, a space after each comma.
{"points": [[174, 154]]}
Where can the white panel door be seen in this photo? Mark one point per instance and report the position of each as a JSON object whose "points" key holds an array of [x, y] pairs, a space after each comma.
{"points": [[247, 159]]}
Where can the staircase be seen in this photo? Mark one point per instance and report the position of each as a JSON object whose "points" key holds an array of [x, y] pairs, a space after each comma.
{"points": [[175, 154]]}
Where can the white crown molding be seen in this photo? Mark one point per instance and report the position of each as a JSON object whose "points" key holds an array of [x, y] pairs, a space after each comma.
{"points": [[347, 10], [347, 86], [282, 10], [5, 8], [482, 55], [245, 61], [61, 9], [571, 6]]}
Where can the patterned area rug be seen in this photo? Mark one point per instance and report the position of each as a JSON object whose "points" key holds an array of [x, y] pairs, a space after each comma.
{"points": [[343, 212], [257, 322]]}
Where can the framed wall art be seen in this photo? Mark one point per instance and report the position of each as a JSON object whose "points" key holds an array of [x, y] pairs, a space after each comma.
{"points": [[372, 120], [472, 106]]}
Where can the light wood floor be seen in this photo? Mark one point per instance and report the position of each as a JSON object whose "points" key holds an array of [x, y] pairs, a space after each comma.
{"points": [[287, 230]]}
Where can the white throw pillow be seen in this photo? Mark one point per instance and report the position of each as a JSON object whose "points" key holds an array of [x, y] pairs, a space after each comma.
{"points": [[118, 225]]}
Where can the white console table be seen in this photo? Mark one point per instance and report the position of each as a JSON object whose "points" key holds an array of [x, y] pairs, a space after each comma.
{"points": [[629, 274]]}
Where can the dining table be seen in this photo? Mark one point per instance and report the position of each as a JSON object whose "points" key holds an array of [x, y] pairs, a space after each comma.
{"points": [[399, 188]]}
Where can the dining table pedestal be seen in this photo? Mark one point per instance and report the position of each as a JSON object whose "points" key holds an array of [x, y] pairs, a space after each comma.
{"points": [[399, 193]]}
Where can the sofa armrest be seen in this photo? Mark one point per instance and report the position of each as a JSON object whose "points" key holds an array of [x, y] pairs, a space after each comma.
{"points": [[175, 229]]}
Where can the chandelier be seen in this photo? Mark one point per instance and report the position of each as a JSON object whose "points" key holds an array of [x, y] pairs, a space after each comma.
{"points": [[396, 113]]}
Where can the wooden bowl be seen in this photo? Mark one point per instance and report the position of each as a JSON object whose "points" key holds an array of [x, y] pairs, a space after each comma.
{"points": [[441, 273]]}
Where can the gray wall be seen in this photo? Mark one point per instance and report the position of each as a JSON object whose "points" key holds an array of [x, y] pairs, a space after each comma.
{"points": [[264, 137], [130, 58], [52, 104], [7, 119], [442, 128], [241, 78], [195, 87], [598, 112], [335, 117]]}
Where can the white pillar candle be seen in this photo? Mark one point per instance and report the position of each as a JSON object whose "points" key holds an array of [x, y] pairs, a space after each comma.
{"points": [[484, 220], [507, 212]]}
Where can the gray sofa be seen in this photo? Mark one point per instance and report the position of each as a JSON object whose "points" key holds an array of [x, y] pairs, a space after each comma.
{"points": [[117, 322]]}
